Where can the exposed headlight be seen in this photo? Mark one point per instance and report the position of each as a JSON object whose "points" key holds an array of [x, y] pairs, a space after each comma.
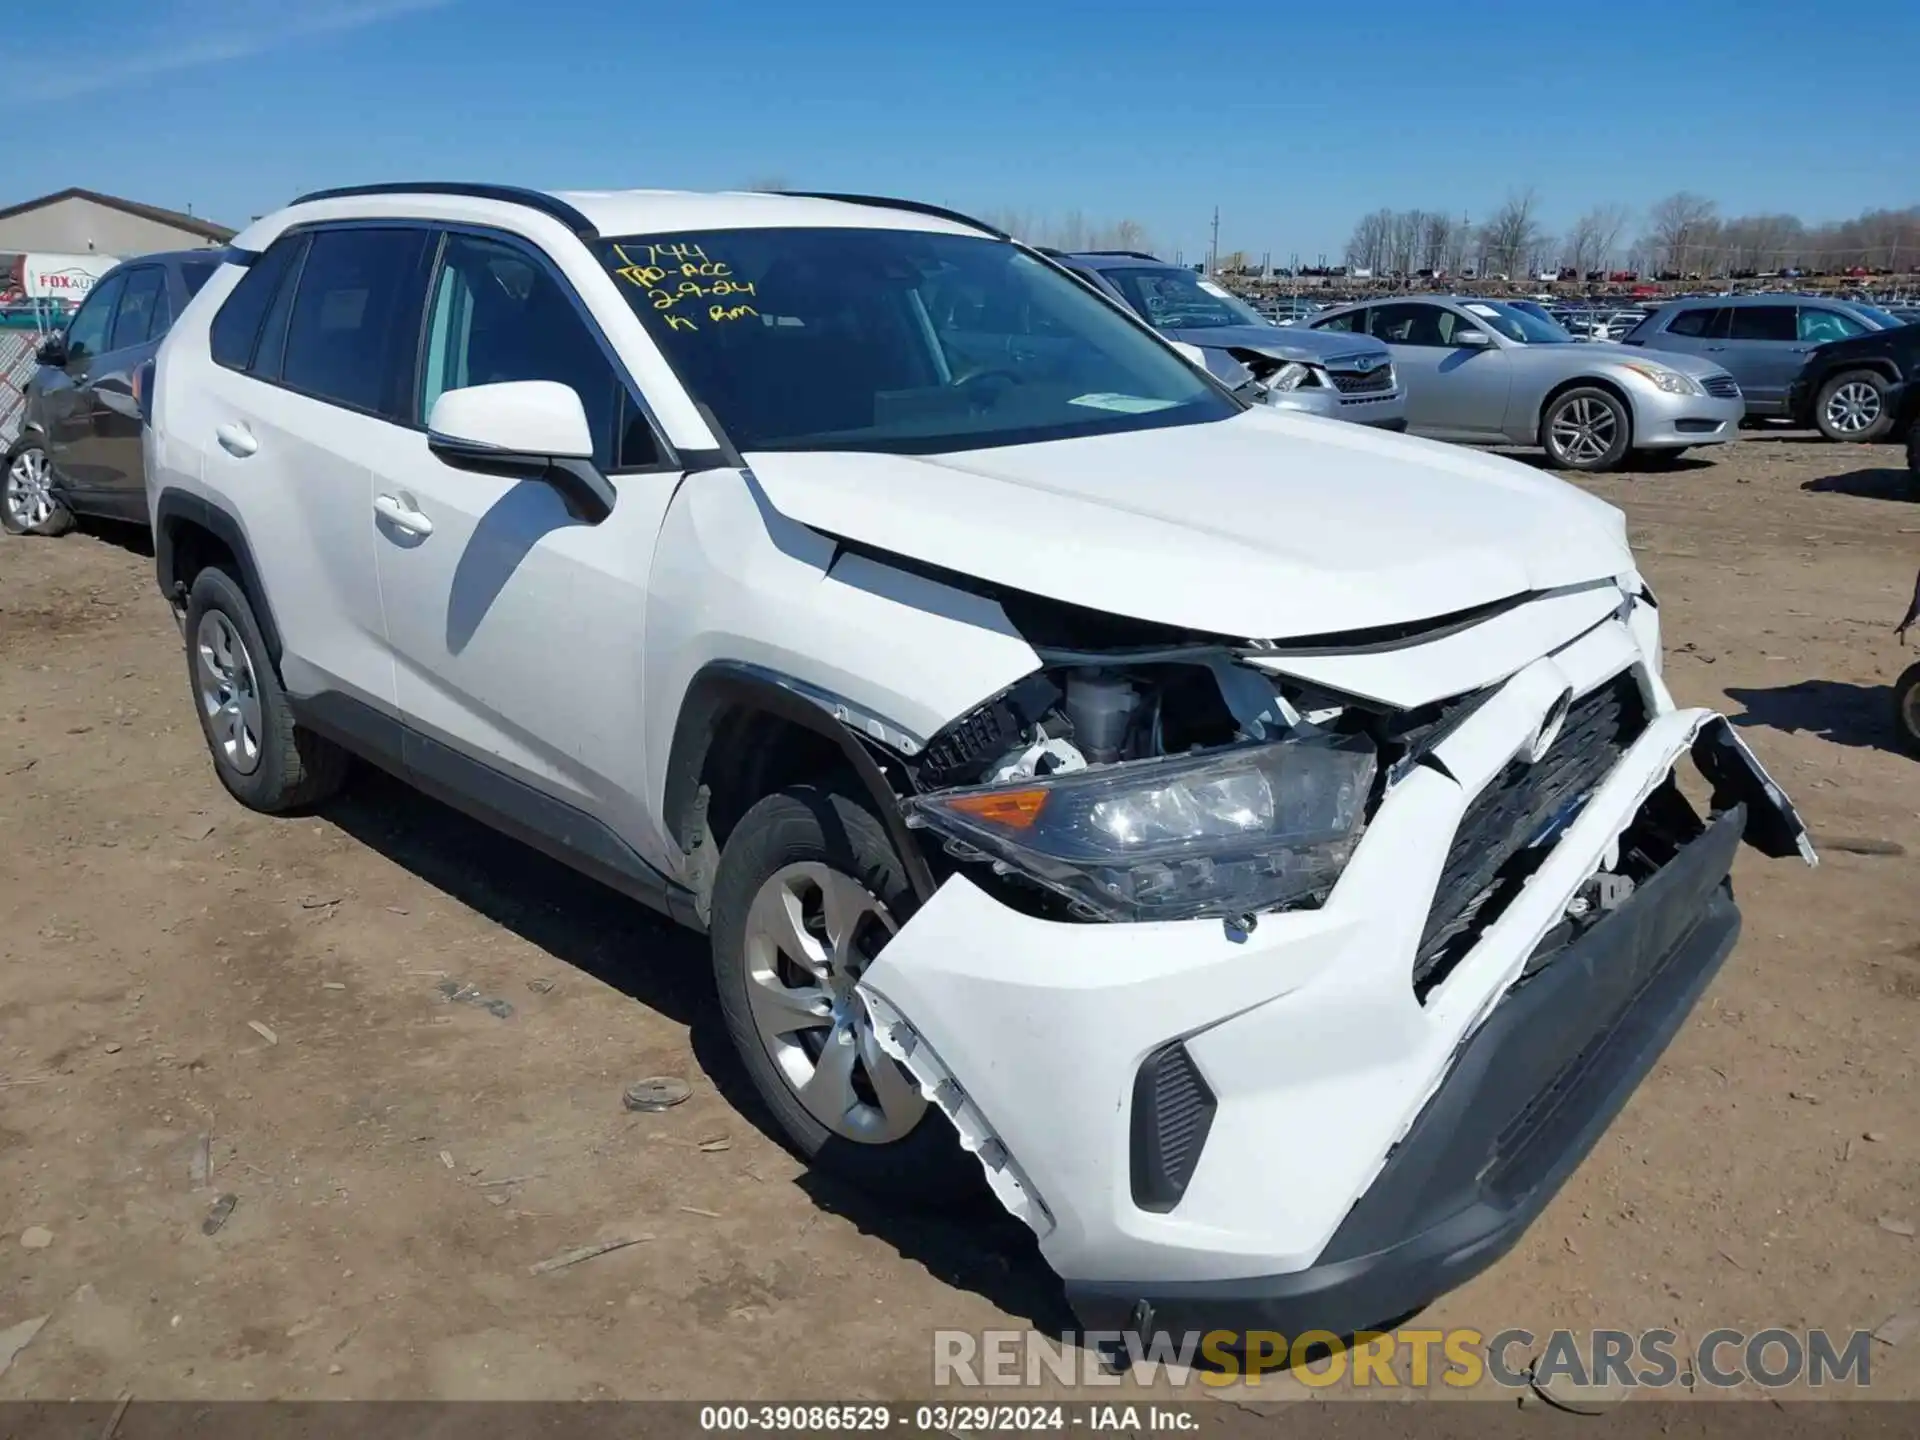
{"points": [[1227, 833], [1671, 381], [1290, 376]]}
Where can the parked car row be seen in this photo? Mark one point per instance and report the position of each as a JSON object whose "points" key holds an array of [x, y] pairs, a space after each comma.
{"points": [[1062, 750], [78, 450], [1781, 349]]}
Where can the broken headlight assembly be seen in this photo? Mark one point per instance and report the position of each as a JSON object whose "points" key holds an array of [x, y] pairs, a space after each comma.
{"points": [[1292, 376], [1227, 832]]}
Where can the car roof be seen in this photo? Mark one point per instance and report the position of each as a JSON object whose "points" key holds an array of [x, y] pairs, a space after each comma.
{"points": [[613, 213], [1116, 260], [1739, 302]]}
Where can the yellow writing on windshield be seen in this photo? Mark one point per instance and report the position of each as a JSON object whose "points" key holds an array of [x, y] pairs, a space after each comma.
{"points": [[682, 271]]}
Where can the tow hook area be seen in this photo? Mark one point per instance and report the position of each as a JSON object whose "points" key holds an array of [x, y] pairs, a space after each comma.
{"points": [[1009, 1183]]}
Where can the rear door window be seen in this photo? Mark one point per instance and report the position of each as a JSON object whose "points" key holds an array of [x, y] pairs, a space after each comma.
{"points": [[356, 310], [1353, 322], [236, 328], [1702, 322], [1763, 322], [145, 293]]}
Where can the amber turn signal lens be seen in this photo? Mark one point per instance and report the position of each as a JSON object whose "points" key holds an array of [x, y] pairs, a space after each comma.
{"points": [[1015, 809]]}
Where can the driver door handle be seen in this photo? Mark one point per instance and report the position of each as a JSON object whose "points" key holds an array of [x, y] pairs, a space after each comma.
{"points": [[236, 440], [401, 516]]}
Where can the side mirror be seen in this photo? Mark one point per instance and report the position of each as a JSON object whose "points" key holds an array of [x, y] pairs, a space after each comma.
{"points": [[1472, 339], [53, 352], [522, 426]]}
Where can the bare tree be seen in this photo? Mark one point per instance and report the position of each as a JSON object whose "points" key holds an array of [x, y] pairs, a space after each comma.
{"points": [[1684, 229], [1123, 235], [1436, 240], [1513, 234], [1594, 237]]}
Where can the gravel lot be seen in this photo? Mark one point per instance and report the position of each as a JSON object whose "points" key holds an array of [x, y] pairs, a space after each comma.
{"points": [[173, 967]]}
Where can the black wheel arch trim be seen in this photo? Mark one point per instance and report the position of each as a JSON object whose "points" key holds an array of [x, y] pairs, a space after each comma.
{"points": [[722, 686], [174, 507]]}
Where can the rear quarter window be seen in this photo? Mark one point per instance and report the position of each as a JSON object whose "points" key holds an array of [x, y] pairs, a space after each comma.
{"points": [[236, 328]]}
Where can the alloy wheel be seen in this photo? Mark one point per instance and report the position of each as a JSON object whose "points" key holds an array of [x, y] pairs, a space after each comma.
{"points": [[229, 692], [29, 492], [811, 931], [1853, 408], [1583, 430]]}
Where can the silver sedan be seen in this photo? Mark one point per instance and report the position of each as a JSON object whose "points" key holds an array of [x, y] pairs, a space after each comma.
{"points": [[1490, 373]]}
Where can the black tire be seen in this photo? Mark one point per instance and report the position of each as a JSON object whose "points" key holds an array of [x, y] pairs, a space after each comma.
{"points": [[1868, 390], [1598, 414], [809, 824], [1906, 710], [292, 768], [59, 519]]}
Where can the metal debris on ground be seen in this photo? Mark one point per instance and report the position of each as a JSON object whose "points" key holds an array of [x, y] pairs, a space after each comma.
{"points": [[265, 1032], [1563, 1393], [540, 987], [585, 1252], [200, 1166], [656, 1092], [217, 1216], [696, 1210], [511, 1179], [1896, 1329], [1896, 1226], [16, 1338], [446, 1158], [718, 1143], [1858, 845], [461, 993]]}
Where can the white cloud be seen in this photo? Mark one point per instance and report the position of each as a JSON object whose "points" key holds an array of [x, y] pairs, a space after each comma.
{"points": [[192, 35]]}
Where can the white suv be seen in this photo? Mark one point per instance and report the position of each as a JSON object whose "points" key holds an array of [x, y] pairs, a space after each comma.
{"points": [[1254, 841]]}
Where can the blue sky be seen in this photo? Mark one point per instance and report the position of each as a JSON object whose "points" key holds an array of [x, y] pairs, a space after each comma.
{"points": [[1294, 124]]}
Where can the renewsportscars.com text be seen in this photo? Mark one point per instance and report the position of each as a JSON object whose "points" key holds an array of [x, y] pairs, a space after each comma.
{"points": [[1415, 1359]]}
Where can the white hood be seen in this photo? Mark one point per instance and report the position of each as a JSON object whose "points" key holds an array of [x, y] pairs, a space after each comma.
{"points": [[1264, 526]]}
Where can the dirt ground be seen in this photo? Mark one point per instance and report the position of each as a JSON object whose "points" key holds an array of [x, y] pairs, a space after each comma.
{"points": [[172, 966]]}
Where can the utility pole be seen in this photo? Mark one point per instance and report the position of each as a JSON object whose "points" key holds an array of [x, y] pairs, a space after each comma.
{"points": [[1213, 251]]}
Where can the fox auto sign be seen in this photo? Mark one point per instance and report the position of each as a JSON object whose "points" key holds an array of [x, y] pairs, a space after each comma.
{"points": [[63, 277]]}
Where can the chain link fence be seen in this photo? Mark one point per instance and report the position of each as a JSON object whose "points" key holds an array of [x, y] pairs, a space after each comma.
{"points": [[17, 349]]}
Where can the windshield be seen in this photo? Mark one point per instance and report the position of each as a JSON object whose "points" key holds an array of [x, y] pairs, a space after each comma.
{"points": [[1517, 324], [902, 341], [1174, 299]]}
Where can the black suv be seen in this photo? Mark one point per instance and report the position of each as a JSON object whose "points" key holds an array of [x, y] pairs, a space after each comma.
{"points": [[79, 445], [1844, 387]]}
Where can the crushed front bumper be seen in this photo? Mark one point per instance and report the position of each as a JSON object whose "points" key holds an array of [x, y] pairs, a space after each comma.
{"points": [[1530, 1093], [1320, 1065], [1382, 409]]}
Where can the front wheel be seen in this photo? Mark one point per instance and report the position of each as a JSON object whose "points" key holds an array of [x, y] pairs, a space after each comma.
{"points": [[1586, 429], [1853, 406], [28, 505], [1906, 710], [809, 890]]}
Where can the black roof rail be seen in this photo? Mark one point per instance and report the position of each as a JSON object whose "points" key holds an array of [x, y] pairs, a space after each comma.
{"points": [[546, 204], [1129, 254], [884, 202]]}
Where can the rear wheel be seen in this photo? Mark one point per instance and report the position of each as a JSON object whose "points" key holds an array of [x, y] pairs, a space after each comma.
{"points": [[1906, 709], [267, 762], [808, 892], [28, 505], [1586, 428], [1853, 406]]}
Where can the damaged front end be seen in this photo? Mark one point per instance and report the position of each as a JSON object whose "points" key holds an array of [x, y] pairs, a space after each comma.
{"points": [[1171, 1103]]}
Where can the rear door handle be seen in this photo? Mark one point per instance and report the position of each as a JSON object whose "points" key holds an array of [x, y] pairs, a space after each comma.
{"points": [[401, 515], [236, 440]]}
